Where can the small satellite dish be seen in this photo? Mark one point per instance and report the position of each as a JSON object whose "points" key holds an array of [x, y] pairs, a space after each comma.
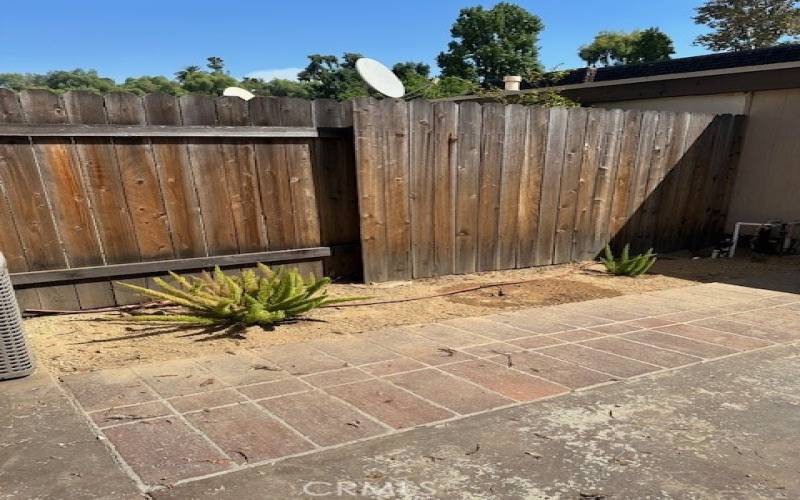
{"points": [[238, 92], [380, 78]]}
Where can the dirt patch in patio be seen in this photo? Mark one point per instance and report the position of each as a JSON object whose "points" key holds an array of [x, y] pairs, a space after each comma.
{"points": [[80, 343]]}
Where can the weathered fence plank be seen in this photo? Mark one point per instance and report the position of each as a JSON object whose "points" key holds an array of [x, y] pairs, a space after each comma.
{"points": [[531, 186], [491, 168], [467, 187], [421, 188], [570, 185], [445, 155], [514, 140], [551, 184]]}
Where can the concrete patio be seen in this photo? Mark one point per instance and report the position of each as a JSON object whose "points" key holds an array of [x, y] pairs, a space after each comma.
{"points": [[190, 427]]}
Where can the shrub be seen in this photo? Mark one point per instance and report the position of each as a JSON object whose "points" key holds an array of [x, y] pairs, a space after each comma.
{"points": [[626, 265], [249, 298]]}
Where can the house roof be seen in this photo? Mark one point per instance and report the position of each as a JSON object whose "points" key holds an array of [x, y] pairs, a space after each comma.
{"points": [[727, 60]]}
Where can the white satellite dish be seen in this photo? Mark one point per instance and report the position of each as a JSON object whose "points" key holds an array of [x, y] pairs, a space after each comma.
{"points": [[238, 92], [380, 78]]}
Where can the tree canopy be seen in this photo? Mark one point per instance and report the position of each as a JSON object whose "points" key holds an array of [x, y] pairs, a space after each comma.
{"points": [[490, 44], [618, 47], [747, 24]]}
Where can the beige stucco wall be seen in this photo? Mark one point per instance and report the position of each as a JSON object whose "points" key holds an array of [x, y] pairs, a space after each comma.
{"points": [[717, 104], [768, 181]]}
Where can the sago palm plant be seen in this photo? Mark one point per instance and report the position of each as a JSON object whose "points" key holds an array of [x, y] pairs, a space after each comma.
{"points": [[259, 298]]}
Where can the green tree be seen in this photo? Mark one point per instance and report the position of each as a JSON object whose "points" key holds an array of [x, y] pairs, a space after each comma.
{"points": [[215, 64], [330, 77], [490, 44], [747, 24], [652, 45], [278, 87], [149, 84], [183, 74], [618, 47]]}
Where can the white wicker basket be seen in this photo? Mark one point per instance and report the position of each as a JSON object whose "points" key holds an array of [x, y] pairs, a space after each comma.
{"points": [[15, 356]]}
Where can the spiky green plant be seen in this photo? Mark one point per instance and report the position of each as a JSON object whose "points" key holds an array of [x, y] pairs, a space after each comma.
{"points": [[627, 265], [259, 298]]}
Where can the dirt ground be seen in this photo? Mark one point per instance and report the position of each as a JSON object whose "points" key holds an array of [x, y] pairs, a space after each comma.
{"points": [[73, 343]]}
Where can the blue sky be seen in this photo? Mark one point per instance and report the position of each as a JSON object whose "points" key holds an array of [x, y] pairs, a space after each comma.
{"points": [[122, 39]]}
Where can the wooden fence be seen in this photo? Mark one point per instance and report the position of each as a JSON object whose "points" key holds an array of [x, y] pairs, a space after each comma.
{"points": [[450, 188], [92, 185]]}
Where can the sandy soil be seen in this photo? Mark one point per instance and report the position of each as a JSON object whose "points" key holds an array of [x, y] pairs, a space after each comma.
{"points": [[80, 343]]}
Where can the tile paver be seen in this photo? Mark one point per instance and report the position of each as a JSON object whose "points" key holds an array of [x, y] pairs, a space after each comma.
{"points": [[599, 360], [450, 336], [125, 414], [537, 341], [493, 349], [680, 344], [300, 359], [178, 378], [529, 323], [640, 352], [244, 368], [403, 341], [575, 335], [389, 404], [272, 389], [448, 391], [108, 388], [325, 420], [393, 366], [336, 377], [761, 332], [732, 340], [165, 450], [487, 328], [354, 350], [203, 400], [248, 434], [562, 372], [510, 383]]}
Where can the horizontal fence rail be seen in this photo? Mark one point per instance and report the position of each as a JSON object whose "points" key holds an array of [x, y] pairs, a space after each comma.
{"points": [[121, 131], [456, 188], [119, 186]]}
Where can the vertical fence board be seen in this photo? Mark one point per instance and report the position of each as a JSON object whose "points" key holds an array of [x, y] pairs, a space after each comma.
{"points": [[531, 186], [699, 141], [604, 183], [69, 203], [551, 184], [596, 125], [421, 189], [467, 187], [491, 168], [398, 216], [666, 217], [445, 154], [568, 189], [657, 171], [626, 173], [368, 135], [514, 140]]}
